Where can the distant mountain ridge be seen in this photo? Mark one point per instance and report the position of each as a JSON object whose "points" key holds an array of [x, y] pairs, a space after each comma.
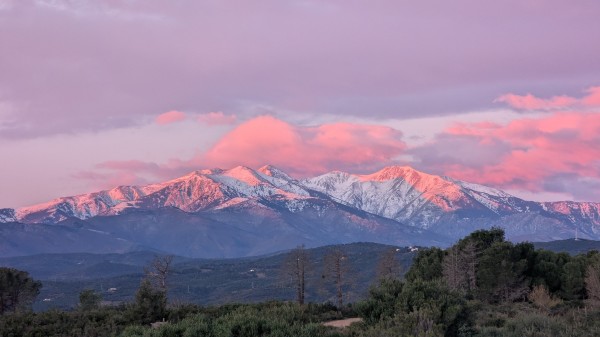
{"points": [[194, 192], [241, 211], [455, 207]]}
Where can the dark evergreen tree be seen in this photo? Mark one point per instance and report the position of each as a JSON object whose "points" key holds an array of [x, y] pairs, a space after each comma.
{"points": [[573, 278], [382, 300], [17, 290], [150, 304], [485, 238], [427, 265], [500, 275], [89, 300]]}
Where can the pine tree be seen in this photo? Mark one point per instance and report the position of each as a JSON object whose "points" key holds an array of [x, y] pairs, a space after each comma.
{"points": [[17, 290], [150, 304], [89, 300]]}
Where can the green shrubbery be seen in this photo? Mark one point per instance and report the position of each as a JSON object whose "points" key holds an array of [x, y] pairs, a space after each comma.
{"points": [[483, 286], [269, 320]]}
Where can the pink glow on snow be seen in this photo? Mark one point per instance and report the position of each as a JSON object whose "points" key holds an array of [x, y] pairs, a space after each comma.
{"points": [[433, 188], [217, 118], [243, 174], [170, 117]]}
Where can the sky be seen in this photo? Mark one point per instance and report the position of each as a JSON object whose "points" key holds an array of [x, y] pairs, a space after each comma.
{"points": [[95, 94]]}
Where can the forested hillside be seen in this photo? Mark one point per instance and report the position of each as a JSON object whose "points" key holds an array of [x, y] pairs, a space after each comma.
{"points": [[482, 286]]}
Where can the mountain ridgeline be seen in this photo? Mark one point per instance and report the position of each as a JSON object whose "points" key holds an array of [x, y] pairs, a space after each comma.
{"points": [[244, 212]]}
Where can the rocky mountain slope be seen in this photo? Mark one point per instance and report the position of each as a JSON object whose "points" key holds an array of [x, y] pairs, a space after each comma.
{"points": [[242, 212], [454, 207]]}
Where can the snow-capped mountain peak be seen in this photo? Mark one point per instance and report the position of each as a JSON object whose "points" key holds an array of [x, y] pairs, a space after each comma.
{"points": [[245, 175], [272, 171], [197, 191], [400, 193], [393, 172]]}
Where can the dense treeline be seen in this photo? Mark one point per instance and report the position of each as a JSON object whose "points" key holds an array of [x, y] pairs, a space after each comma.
{"points": [[482, 286], [486, 286]]}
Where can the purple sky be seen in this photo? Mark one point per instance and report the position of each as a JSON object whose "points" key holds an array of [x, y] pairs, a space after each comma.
{"points": [[105, 92]]}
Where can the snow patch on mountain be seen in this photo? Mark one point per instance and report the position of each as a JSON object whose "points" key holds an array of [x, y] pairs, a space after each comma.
{"points": [[274, 172], [7, 215], [194, 192], [244, 175], [231, 202], [481, 189], [576, 211], [399, 193], [396, 192]]}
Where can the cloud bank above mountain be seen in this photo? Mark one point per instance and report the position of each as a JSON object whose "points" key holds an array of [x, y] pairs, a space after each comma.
{"points": [[90, 89], [556, 152]]}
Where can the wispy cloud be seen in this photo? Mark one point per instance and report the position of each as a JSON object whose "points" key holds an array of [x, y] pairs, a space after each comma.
{"points": [[531, 102], [217, 118], [169, 117]]}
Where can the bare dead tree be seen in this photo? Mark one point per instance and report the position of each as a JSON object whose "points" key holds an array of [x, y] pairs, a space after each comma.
{"points": [[295, 266], [388, 266], [592, 282], [460, 267], [454, 270], [158, 271], [469, 257], [337, 268]]}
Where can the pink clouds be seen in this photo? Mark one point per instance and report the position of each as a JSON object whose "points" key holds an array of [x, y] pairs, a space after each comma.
{"points": [[217, 118], [306, 150], [558, 153], [527, 154], [211, 118], [593, 97], [530, 102], [169, 117], [110, 67], [299, 150]]}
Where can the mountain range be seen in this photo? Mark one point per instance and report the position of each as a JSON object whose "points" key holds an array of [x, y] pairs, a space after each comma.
{"points": [[243, 212]]}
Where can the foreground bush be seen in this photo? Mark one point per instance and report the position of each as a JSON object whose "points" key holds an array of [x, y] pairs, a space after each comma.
{"points": [[268, 320]]}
